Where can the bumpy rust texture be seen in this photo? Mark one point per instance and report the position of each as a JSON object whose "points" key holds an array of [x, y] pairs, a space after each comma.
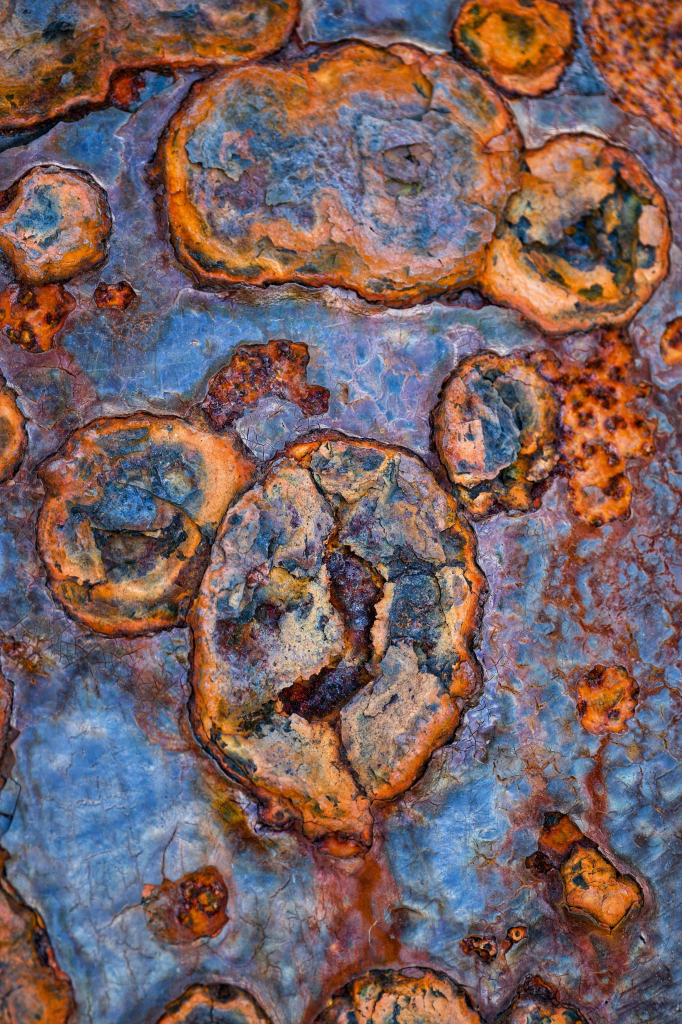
{"points": [[584, 242], [118, 296], [13, 438], [214, 1004], [671, 342], [52, 65], [256, 371], [415, 996], [193, 907], [538, 1002], [381, 170], [332, 634], [483, 946], [601, 426], [132, 504], [495, 429], [54, 224], [636, 46], [607, 699], [592, 887], [523, 45], [32, 316]]}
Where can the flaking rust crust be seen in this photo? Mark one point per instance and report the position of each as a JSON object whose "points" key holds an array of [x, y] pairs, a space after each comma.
{"points": [[32, 316], [380, 170], [495, 430], [332, 635], [54, 224], [52, 66], [539, 1002], [214, 1004], [132, 505], [606, 699], [636, 46], [413, 996], [13, 439], [524, 46], [190, 908], [585, 240]]}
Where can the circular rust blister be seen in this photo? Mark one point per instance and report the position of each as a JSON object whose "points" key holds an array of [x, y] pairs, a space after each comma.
{"points": [[13, 438], [132, 505], [414, 995], [332, 634], [381, 170], [214, 1004], [585, 240]]}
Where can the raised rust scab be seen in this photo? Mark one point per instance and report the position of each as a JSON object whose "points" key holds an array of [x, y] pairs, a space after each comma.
{"points": [[495, 430], [51, 67], [13, 437], [117, 296], [256, 371], [584, 242], [482, 946], [606, 699], [538, 1002], [332, 635], [636, 46], [33, 316], [593, 887], [671, 342], [602, 426], [214, 1004], [191, 908], [412, 996], [524, 46], [380, 170], [54, 224], [132, 505]]}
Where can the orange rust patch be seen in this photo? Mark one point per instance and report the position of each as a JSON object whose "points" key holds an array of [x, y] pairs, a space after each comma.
{"points": [[193, 907], [255, 371], [214, 1003], [410, 996], [537, 1002], [33, 316], [32, 986], [118, 296], [482, 946], [585, 240], [517, 933], [53, 67], [13, 437], [636, 46], [343, 657], [54, 224], [593, 887], [671, 342], [522, 45], [374, 196], [601, 427], [132, 504], [607, 699], [495, 432]]}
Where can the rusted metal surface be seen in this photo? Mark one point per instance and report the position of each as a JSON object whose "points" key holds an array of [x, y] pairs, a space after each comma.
{"points": [[528, 862]]}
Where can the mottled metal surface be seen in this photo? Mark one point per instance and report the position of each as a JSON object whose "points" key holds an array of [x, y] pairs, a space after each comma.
{"points": [[109, 791]]}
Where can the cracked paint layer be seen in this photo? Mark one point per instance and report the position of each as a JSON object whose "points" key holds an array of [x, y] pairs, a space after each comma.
{"points": [[380, 170]]}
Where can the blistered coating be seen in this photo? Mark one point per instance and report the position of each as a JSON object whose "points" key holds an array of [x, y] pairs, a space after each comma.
{"points": [[607, 699], [190, 908], [603, 426], [33, 315], [671, 342], [396, 997], [56, 60], [117, 296], [495, 430], [13, 438], [585, 240], [332, 634], [538, 1002], [636, 46], [214, 1004], [524, 46], [54, 224], [381, 170], [132, 504]]}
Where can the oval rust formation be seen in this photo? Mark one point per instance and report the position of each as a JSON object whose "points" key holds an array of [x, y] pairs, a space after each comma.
{"points": [[193, 907], [214, 1004], [380, 170], [332, 635], [410, 996]]}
